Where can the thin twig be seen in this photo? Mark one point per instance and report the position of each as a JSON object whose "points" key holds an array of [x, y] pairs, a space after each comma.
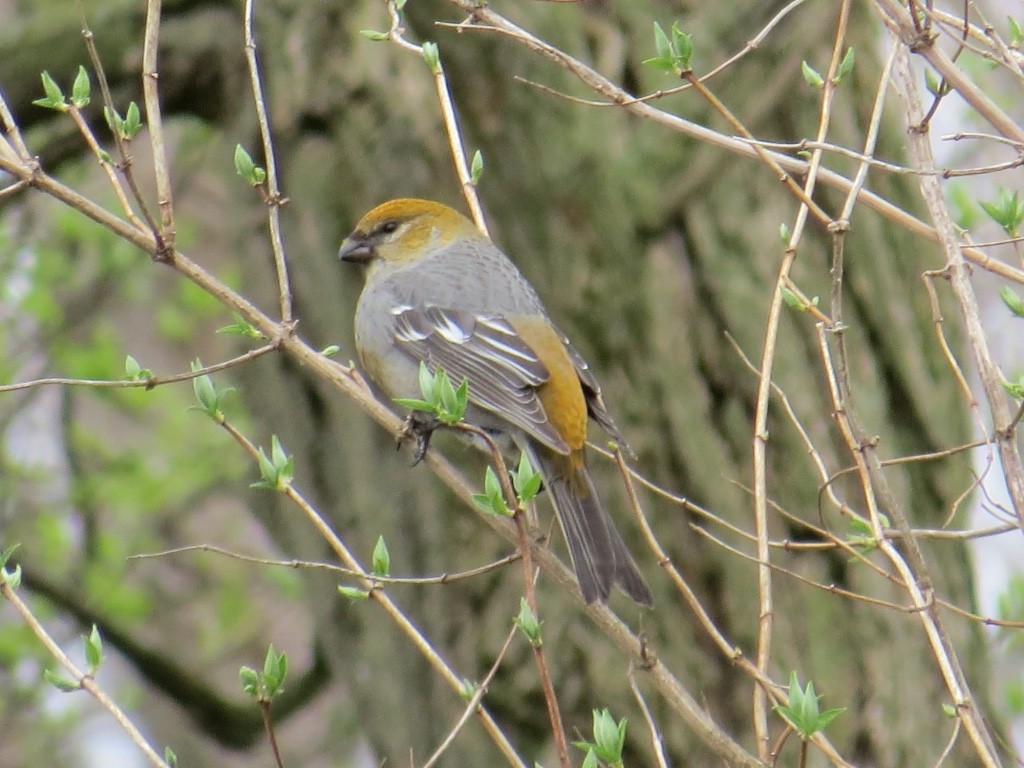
{"points": [[154, 119], [451, 122], [805, 145], [760, 427], [484, 18], [126, 160], [830, 588], [896, 17], [444, 578], [268, 726], [948, 749], [345, 555], [14, 134], [108, 169], [916, 581], [529, 574], [474, 701], [752, 45], [86, 682], [147, 383], [657, 742], [731, 652], [967, 303], [274, 199]]}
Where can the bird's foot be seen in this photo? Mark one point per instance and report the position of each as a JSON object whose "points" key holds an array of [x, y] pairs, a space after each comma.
{"points": [[418, 426]]}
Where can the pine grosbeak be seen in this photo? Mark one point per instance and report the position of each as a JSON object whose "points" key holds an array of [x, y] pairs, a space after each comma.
{"points": [[438, 291]]}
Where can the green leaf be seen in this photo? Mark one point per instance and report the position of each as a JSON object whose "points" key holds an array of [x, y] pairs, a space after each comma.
{"points": [[682, 45], [673, 54], [380, 560], [282, 461], [276, 471], [792, 300], [60, 682], [1007, 210], [54, 96], [802, 711], [492, 500], [114, 120], [275, 670], [446, 392], [1016, 38], [135, 372], [12, 578], [476, 167], [94, 651], [467, 689], [461, 400], [1012, 300], [845, 66], [528, 624], [205, 392], [1015, 388], [209, 397], [80, 89], [609, 736], [965, 213], [415, 405], [784, 233], [661, 43], [131, 367], [170, 757], [446, 403], [452, 401], [247, 169], [250, 680], [353, 593], [811, 75], [663, 64], [432, 57], [132, 122], [609, 740], [243, 162], [372, 34], [426, 381], [6, 555], [330, 350], [241, 327], [526, 480]]}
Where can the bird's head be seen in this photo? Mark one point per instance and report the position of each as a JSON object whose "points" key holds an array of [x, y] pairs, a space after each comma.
{"points": [[404, 231]]}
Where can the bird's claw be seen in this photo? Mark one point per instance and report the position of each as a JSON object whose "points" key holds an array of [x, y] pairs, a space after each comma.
{"points": [[418, 426]]}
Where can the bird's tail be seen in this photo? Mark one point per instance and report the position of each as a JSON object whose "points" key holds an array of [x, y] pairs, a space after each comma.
{"points": [[599, 555]]}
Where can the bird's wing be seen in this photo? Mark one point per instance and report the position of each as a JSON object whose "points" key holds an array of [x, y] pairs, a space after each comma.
{"points": [[502, 370]]}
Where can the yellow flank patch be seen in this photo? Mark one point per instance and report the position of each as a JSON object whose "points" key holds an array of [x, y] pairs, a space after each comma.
{"points": [[561, 395]]}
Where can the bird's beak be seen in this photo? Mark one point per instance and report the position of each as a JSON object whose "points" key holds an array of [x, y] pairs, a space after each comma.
{"points": [[355, 249]]}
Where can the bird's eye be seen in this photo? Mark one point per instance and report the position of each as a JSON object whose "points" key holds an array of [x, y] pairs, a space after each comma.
{"points": [[388, 227]]}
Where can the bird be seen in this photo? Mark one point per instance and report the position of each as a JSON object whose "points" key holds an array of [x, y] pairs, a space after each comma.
{"points": [[438, 291]]}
